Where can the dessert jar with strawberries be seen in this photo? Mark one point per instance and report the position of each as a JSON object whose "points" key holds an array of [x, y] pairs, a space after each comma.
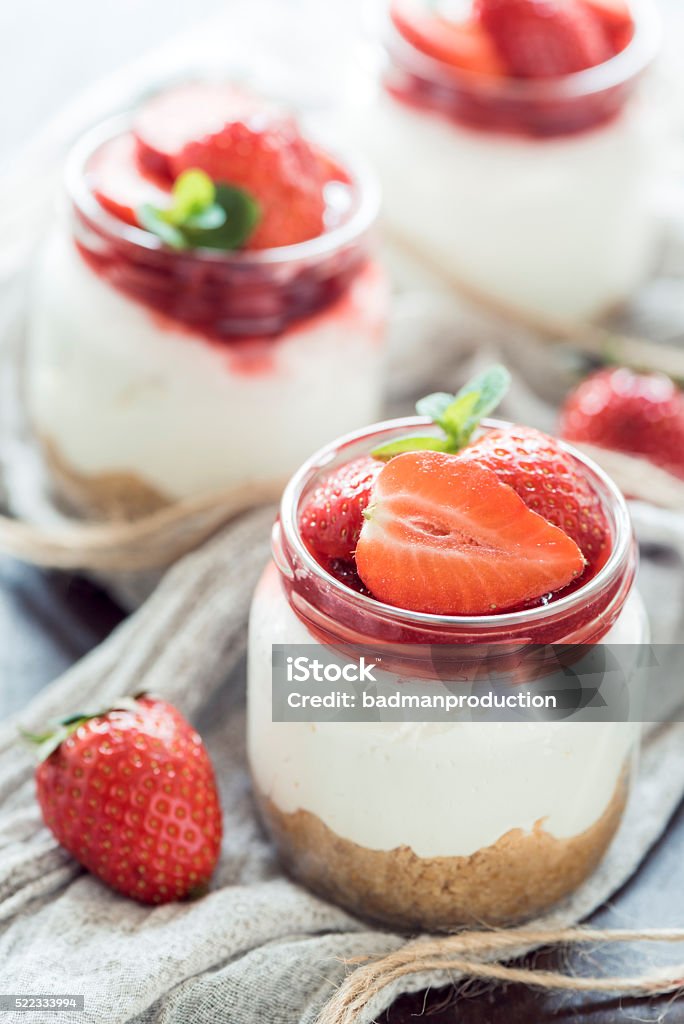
{"points": [[518, 151], [207, 295], [472, 538]]}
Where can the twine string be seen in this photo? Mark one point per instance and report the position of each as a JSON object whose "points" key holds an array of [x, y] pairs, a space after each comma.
{"points": [[465, 952], [152, 541]]}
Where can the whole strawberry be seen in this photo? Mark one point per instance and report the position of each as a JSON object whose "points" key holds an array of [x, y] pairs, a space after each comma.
{"points": [[332, 518], [544, 38], [640, 414], [549, 481], [461, 42], [130, 793]]}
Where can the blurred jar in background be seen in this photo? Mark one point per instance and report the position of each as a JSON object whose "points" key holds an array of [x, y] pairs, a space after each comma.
{"points": [[533, 189], [156, 373]]}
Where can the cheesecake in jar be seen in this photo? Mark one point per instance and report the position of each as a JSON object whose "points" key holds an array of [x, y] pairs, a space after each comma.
{"points": [[513, 540], [519, 149], [201, 303]]}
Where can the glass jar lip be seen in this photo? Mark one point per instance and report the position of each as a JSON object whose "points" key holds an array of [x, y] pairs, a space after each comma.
{"points": [[639, 53], [362, 217], [616, 562]]}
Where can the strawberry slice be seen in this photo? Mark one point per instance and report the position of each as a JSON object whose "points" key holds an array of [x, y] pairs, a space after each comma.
{"points": [[616, 18], [118, 183], [445, 536], [544, 38], [172, 119], [463, 44]]}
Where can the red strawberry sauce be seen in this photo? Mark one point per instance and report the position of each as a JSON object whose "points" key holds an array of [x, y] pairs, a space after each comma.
{"points": [[339, 614], [225, 297], [536, 108]]}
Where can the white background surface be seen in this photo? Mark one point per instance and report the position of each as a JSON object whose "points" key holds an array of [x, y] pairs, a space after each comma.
{"points": [[51, 49]]}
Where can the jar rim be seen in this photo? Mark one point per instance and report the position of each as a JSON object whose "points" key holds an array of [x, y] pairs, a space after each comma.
{"points": [[613, 568], [364, 212], [630, 62]]}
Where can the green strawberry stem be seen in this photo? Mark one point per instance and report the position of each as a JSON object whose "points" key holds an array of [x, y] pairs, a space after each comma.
{"points": [[47, 742], [458, 415]]}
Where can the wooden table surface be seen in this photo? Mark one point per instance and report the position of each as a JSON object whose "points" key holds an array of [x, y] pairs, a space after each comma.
{"points": [[48, 620]]}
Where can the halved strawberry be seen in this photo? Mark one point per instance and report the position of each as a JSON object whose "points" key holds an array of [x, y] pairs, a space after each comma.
{"points": [[550, 481], [544, 38], [175, 117], [446, 536], [332, 518], [118, 183], [463, 44]]}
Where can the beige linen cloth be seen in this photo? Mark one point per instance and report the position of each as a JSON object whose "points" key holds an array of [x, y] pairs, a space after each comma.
{"points": [[257, 948]]}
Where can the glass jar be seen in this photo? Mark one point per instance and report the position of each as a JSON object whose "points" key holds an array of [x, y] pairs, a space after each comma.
{"points": [[155, 374], [435, 825], [536, 193]]}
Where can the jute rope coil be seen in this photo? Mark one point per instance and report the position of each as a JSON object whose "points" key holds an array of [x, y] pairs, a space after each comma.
{"points": [[474, 954], [153, 541]]}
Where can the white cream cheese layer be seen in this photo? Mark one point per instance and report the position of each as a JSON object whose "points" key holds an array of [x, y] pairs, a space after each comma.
{"points": [[115, 389], [440, 789]]}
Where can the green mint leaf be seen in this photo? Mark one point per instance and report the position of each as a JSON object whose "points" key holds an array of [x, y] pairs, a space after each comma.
{"points": [[488, 388], [202, 214], [458, 415], [241, 215], [461, 412], [434, 405], [208, 219], [410, 444], [193, 191], [154, 221]]}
